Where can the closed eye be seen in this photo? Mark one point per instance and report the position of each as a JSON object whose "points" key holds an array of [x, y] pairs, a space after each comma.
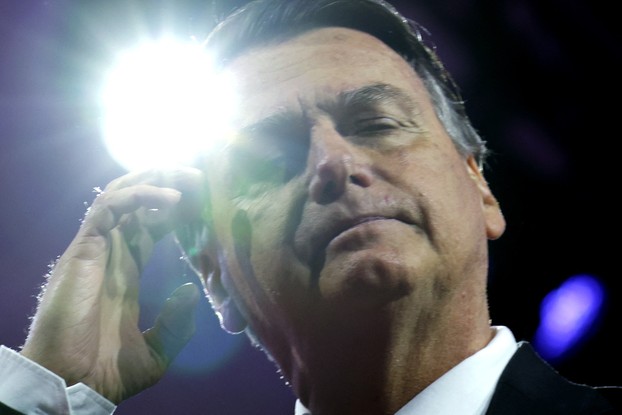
{"points": [[371, 126]]}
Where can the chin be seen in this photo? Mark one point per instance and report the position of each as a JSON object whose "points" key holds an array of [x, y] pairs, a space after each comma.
{"points": [[366, 278]]}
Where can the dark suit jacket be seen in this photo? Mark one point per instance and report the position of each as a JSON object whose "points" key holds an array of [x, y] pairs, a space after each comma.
{"points": [[5, 410], [530, 386]]}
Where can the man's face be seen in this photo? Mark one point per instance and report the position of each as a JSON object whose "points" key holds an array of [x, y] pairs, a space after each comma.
{"points": [[342, 192]]}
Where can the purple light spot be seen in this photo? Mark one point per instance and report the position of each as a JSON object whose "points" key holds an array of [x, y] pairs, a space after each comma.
{"points": [[567, 314]]}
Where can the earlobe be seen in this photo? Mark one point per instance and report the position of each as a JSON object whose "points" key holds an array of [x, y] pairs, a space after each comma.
{"points": [[227, 311], [495, 222], [231, 319]]}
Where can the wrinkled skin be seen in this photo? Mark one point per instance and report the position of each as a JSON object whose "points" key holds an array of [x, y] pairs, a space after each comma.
{"points": [[86, 325]]}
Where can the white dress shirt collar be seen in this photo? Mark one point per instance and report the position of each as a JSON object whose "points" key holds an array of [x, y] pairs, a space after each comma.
{"points": [[467, 388]]}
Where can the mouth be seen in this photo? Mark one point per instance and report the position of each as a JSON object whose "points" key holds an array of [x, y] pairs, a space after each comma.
{"points": [[339, 227], [353, 224]]}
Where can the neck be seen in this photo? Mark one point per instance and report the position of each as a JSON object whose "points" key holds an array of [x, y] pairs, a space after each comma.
{"points": [[379, 363]]}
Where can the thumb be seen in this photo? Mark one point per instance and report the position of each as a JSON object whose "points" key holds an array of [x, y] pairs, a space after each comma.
{"points": [[175, 325]]}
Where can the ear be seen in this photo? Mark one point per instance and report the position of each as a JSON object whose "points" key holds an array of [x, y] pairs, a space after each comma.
{"points": [[218, 287], [495, 222]]}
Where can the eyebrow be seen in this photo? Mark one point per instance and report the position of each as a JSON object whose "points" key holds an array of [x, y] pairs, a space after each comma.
{"points": [[376, 94], [366, 96]]}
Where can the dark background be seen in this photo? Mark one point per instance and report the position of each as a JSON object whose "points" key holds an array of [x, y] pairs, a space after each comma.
{"points": [[540, 78]]}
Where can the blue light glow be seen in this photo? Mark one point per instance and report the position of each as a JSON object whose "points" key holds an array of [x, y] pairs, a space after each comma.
{"points": [[567, 314]]}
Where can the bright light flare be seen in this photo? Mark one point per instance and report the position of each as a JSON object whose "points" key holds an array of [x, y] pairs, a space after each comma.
{"points": [[165, 104], [567, 314]]}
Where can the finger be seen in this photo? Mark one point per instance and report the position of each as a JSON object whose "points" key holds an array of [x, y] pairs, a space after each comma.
{"points": [[181, 178], [190, 181], [141, 229], [175, 325], [154, 223], [107, 209]]}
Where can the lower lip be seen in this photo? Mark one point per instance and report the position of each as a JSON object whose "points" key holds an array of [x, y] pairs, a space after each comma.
{"points": [[359, 227]]}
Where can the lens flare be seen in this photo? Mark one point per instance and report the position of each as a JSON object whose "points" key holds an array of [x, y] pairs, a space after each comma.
{"points": [[164, 104]]}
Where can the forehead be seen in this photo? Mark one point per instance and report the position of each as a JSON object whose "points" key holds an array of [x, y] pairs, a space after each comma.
{"points": [[315, 66]]}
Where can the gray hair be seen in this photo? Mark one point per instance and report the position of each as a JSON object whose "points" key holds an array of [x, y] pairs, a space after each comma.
{"points": [[264, 22]]}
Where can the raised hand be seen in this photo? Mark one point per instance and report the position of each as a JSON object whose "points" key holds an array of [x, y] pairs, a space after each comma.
{"points": [[86, 325]]}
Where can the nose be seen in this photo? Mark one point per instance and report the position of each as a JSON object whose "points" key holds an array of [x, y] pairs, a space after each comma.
{"points": [[336, 164]]}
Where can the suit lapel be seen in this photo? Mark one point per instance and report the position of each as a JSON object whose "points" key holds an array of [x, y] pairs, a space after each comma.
{"points": [[529, 385]]}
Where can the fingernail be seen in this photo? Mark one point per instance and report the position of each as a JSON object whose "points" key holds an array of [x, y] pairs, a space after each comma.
{"points": [[172, 194]]}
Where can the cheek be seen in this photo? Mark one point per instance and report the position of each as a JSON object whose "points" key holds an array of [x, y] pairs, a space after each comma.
{"points": [[266, 277], [256, 234], [436, 177], [460, 221], [272, 252], [245, 271], [242, 242]]}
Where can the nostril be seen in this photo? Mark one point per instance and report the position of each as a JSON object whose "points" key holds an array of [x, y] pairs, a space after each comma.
{"points": [[361, 179], [330, 188], [356, 180], [327, 192], [329, 181], [334, 174]]}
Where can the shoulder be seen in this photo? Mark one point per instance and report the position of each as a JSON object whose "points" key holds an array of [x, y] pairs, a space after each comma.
{"points": [[613, 395], [530, 385]]}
